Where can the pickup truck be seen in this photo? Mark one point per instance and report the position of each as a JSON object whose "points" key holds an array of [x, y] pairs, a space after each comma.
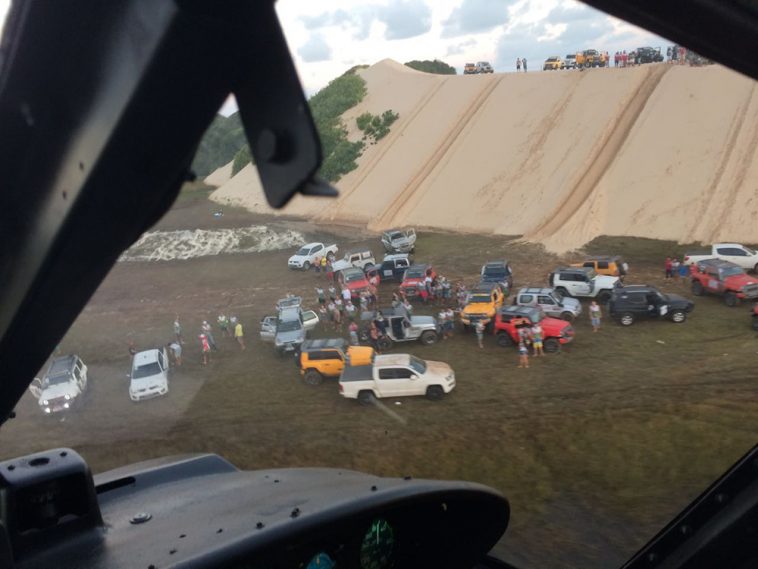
{"points": [[510, 319], [583, 282], [326, 358], [63, 385], [393, 267], [723, 278], [396, 375], [288, 330], [307, 255], [149, 377], [362, 259], [399, 240], [497, 272], [354, 280], [414, 278], [734, 252]]}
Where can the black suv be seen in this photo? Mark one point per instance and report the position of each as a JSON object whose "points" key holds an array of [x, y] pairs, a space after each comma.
{"points": [[393, 267], [497, 272], [632, 302]]}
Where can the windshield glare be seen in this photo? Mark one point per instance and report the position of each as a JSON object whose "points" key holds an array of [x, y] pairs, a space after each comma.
{"points": [[289, 325], [58, 379], [418, 365], [352, 277], [303, 251], [731, 271], [478, 298]]}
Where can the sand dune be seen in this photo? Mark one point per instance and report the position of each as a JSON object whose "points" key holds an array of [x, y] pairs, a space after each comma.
{"points": [[562, 157], [220, 175]]}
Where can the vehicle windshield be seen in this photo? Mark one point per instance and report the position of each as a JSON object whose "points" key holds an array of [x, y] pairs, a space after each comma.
{"points": [[750, 251], [418, 365], [597, 444], [146, 370], [58, 379], [288, 325], [731, 271], [556, 294]]}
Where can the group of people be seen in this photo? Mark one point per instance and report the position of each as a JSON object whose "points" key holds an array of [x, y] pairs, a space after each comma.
{"points": [[230, 327], [521, 61], [675, 269]]}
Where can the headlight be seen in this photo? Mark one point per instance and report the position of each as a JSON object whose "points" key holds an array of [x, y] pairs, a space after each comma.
{"points": [[45, 402], [278, 342], [67, 397], [47, 410], [66, 405]]}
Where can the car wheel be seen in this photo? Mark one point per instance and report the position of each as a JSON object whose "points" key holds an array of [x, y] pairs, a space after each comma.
{"points": [[697, 288], [504, 339], [435, 392], [604, 296], [366, 397], [384, 343], [313, 377], [567, 316], [306, 266], [731, 299], [626, 319], [551, 345], [429, 337], [678, 316]]}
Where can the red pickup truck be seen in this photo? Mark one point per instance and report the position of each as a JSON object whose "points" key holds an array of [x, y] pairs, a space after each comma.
{"points": [[354, 279], [414, 279], [511, 319], [724, 278]]}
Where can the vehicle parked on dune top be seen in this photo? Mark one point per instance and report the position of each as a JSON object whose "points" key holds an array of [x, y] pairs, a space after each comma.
{"points": [[414, 278], [484, 67], [308, 254], [634, 302], [738, 254], [400, 328], [589, 58], [583, 282], [354, 280], [362, 259], [399, 240], [552, 63], [469, 69], [482, 303], [326, 358], [511, 319], [497, 272], [569, 62], [724, 278], [149, 376], [393, 267], [63, 385], [396, 375], [649, 55], [611, 265], [550, 301]]}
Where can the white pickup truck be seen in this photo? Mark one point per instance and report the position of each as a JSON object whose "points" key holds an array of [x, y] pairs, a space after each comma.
{"points": [[308, 254], [734, 252], [62, 387], [396, 375]]}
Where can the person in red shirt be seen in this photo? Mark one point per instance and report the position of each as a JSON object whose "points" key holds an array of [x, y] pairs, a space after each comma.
{"points": [[669, 267]]}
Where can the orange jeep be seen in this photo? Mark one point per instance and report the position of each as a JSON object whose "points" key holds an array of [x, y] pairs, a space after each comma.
{"points": [[326, 358]]}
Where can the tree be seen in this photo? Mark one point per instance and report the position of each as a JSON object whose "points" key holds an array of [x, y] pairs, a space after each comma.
{"points": [[427, 66]]}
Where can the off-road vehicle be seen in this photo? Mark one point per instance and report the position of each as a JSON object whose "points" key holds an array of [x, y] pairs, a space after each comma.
{"points": [[634, 302], [550, 301]]}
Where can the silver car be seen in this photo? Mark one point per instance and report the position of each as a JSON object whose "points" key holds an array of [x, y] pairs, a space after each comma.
{"points": [[399, 241], [289, 329], [551, 301]]}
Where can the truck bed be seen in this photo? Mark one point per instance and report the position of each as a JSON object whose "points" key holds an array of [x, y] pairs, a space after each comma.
{"points": [[357, 373]]}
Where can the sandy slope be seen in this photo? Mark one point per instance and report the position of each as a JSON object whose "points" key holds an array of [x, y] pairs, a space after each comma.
{"points": [[220, 175], [654, 151]]}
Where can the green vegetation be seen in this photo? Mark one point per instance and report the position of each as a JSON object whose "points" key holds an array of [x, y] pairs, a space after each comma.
{"points": [[241, 159], [221, 142], [427, 66], [376, 126]]}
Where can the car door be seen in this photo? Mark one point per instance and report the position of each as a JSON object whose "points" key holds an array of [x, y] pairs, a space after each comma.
{"points": [[331, 363], [713, 282], [584, 285], [268, 328], [548, 304], [317, 251], [389, 384], [310, 319], [78, 376], [736, 255], [411, 234]]}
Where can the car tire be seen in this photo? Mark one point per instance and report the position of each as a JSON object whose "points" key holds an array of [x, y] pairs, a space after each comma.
{"points": [[435, 392], [384, 343], [306, 266], [678, 316], [429, 337], [366, 397], [626, 319], [312, 377], [567, 316], [551, 346], [755, 269], [504, 339], [697, 288], [731, 300]]}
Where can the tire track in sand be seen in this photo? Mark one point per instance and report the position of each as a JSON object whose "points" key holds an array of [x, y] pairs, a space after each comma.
{"points": [[387, 144], [401, 200], [605, 151]]}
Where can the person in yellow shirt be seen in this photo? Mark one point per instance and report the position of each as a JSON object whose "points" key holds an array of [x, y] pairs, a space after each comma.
{"points": [[239, 335]]}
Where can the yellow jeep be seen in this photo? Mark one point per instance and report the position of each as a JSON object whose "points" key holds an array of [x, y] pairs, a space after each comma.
{"points": [[482, 303], [326, 358]]}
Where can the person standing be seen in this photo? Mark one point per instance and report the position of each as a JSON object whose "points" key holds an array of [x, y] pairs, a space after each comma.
{"points": [[347, 296], [208, 331], [668, 265], [595, 315], [332, 292], [373, 334], [176, 350], [523, 61], [479, 329], [239, 335], [223, 324], [450, 322], [523, 355], [178, 330], [353, 329], [675, 264], [321, 296], [408, 307], [518, 64], [684, 272], [206, 348], [537, 339]]}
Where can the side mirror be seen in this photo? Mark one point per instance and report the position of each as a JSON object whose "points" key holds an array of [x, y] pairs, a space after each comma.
{"points": [[414, 377]]}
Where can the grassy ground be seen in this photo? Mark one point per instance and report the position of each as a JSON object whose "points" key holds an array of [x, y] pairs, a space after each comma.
{"points": [[596, 447]]}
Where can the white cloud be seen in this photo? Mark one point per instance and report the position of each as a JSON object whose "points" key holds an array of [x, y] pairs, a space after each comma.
{"points": [[315, 49]]}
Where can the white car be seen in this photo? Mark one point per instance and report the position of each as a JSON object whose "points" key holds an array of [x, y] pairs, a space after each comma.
{"points": [[733, 252], [362, 259], [583, 282], [396, 375], [63, 385], [149, 377], [308, 254]]}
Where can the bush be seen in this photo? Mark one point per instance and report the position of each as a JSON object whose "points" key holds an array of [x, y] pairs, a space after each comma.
{"points": [[241, 159], [427, 66], [341, 160], [376, 127]]}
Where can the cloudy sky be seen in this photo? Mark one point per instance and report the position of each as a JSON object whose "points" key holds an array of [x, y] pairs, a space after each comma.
{"points": [[327, 38]]}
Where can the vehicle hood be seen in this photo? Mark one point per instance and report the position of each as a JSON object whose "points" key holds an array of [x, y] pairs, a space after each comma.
{"points": [[290, 337], [605, 281], [572, 304], [411, 281], [423, 321], [157, 380], [738, 281], [676, 301], [479, 308], [553, 326], [357, 285], [60, 390], [437, 368]]}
